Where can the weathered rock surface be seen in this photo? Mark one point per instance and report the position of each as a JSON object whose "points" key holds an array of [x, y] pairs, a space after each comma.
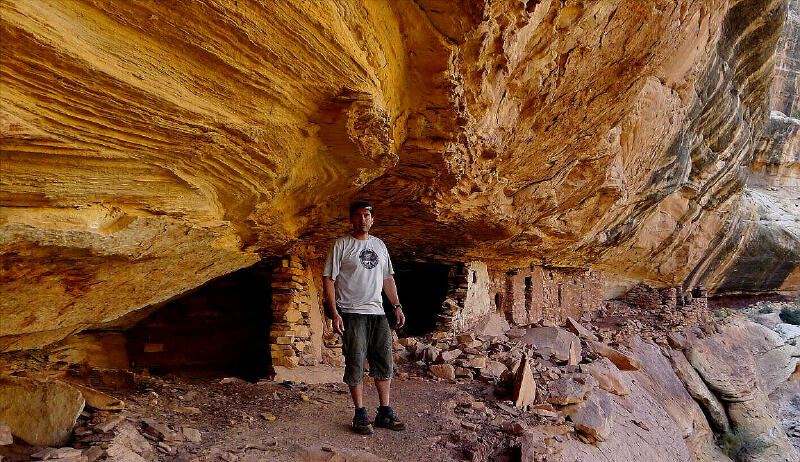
{"points": [[742, 370], [700, 392], [595, 133], [659, 379], [40, 413], [785, 93], [644, 431], [763, 245]]}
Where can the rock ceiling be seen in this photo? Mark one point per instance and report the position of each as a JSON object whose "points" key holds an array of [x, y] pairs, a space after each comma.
{"points": [[148, 147]]}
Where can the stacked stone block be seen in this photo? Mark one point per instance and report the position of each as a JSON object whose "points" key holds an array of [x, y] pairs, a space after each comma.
{"points": [[458, 285], [290, 332]]}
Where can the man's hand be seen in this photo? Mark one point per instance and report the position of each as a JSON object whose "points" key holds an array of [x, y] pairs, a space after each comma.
{"points": [[338, 325], [401, 318]]}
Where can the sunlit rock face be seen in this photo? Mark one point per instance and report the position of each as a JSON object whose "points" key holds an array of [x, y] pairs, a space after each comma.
{"points": [[150, 147]]}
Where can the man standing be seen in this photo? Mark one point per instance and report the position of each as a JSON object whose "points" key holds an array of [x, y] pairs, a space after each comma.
{"points": [[357, 269]]}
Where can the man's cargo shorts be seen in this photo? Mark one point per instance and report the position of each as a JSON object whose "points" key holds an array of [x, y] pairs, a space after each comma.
{"points": [[366, 336]]}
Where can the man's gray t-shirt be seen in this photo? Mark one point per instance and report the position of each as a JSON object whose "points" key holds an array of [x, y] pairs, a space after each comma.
{"points": [[358, 268]]}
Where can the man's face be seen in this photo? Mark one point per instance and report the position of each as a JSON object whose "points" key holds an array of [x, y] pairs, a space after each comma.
{"points": [[361, 219]]}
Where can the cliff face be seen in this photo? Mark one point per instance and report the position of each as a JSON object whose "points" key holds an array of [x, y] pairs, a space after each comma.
{"points": [[785, 94], [762, 250], [150, 147]]}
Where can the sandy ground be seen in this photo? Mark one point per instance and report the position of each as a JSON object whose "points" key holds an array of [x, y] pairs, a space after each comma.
{"points": [[447, 420]]}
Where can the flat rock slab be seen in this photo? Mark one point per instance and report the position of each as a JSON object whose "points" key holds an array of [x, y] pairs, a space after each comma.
{"points": [[560, 344], [40, 413], [623, 361], [320, 373], [578, 329], [524, 385], [609, 377], [6, 437]]}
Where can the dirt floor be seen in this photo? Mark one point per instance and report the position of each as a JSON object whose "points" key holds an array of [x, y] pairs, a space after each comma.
{"points": [[234, 419], [241, 421]]}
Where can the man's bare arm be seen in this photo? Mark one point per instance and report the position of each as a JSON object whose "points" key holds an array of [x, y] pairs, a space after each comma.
{"points": [[329, 294], [391, 293]]}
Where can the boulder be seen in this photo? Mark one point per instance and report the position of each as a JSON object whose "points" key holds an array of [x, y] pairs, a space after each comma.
{"points": [[493, 369], [570, 389], [624, 362], [40, 413], [558, 343], [128, 445], [608, 376], [593, 417], [444, 371]]}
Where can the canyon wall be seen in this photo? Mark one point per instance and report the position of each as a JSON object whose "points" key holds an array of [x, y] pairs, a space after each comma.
{"points": [[148, 148], [785, 94]]}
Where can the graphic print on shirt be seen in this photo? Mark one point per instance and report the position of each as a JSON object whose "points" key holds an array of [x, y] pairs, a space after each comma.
{"points": [[368, 258]]}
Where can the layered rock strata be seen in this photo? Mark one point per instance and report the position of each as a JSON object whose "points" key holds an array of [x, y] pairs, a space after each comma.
{"points": [[785, 94], [148, 148]]}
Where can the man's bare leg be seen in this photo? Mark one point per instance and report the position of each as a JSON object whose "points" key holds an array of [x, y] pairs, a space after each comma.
{"points": [[383, 387], [357, 393]]}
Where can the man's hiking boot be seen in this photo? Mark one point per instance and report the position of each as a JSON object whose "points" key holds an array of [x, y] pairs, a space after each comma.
{"points": [[385, 418], [361, 423]]}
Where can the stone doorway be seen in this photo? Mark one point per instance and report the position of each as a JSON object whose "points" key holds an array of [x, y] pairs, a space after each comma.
{"points": [[221, 328], [422, 287]]}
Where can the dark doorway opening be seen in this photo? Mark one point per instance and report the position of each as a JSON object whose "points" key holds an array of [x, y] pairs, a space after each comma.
{"points": [[422, 288], [219, 329]]}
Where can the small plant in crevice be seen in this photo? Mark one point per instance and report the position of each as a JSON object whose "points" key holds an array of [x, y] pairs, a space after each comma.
{"points": [[790, 315], [722, 313], [765, 310], [742, 444]]}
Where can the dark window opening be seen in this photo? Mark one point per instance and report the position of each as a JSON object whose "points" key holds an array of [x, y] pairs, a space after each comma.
{"points": [[422, 287], [219, 329], [474, 277], [528, 292], [498, 302]]}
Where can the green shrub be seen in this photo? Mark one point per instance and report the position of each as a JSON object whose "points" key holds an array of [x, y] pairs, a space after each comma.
{"points": [[742, 444], [790, 315], [722, 313], [765, 310]]}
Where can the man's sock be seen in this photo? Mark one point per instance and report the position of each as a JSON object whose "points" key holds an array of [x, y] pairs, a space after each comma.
{"points": [[384, 410]]}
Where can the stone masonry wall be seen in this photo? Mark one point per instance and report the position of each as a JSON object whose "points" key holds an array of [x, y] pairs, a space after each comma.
{"points": [[549, 295], [291, 330], [468, 298]]}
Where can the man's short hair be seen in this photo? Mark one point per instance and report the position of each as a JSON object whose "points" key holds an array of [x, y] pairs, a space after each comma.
{"points": [[361, 205]]}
